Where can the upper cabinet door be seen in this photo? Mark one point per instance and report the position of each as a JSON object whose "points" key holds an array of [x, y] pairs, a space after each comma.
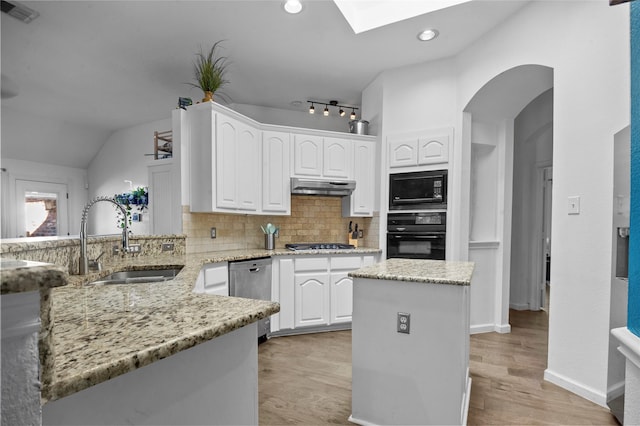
{"points": [[361, 202], [276, 184], [337, 158], [434, 149], [238, 164], [248, 170], [227, 136], [307, 151], [403, 153]]}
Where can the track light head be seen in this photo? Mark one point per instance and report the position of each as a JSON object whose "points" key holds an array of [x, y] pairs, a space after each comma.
{"points": [[312, 109], [326, 111]]}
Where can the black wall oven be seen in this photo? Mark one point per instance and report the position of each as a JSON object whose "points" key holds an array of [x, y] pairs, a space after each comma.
{"points": [[417, 235], [418, 190]]}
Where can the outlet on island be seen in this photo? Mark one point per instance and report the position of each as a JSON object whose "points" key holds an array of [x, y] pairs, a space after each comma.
{"points": [[213, 232], [404, 322]]}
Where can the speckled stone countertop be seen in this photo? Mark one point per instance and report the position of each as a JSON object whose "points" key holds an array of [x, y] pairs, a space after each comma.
{"points": [[419, 270], [101, 332], [17, 276]]}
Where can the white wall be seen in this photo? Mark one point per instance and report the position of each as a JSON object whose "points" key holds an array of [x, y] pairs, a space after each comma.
{"points": [[75, 179], [121, 158], [591, 103]]}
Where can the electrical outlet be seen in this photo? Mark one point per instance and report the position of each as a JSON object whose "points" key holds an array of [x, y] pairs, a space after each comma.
{"points": [[404, 322], [134, 248], [167, 246], [213, 232], [361, 234]]}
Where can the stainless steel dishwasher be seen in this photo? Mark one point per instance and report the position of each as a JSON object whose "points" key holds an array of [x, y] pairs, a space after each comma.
{"points": [[251, 279]]}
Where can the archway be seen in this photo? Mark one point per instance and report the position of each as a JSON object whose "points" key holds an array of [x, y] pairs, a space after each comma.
{"points": [[489, 120]]}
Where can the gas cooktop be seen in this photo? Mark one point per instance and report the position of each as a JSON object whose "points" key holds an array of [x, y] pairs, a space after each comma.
{"points": [[319, 246]]}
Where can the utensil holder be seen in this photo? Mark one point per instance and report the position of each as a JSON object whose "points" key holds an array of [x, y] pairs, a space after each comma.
{"points": [[269, 241]]}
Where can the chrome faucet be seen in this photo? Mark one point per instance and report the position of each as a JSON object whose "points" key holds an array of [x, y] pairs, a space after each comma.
{"points": [[84, 261]]}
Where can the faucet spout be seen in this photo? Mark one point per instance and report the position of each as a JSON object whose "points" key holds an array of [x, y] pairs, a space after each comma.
{"points": [[84, 260]]}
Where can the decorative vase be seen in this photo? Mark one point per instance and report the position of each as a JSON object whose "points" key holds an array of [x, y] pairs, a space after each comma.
{"points": [[208, 97]]}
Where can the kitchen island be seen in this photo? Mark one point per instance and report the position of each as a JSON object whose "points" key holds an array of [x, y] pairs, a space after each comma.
{"points": [[410, 342]]}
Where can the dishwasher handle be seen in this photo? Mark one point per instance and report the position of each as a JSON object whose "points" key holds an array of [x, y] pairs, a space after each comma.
{"points": [[254, 270]]}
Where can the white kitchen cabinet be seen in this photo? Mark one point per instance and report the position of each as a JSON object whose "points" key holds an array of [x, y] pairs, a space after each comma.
{"points": [[315, 292], [276, 185], [238, 171], [336, 158], [312, 291], [307, 155], [322, 157], [403, 153], [362, 200], [431, 147], [165, 215], [213, 279], [342, 287]]}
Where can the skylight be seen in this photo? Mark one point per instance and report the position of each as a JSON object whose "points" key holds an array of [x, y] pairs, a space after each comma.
{"points": [[365, 15]]}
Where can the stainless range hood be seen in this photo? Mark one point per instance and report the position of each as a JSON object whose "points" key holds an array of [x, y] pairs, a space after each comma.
{"points": [[338, 188]]}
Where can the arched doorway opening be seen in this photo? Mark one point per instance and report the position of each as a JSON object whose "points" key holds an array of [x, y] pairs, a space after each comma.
{"points": [[502, 189]]}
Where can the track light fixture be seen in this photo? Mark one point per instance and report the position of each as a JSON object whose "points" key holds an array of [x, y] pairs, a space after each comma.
{"points": [[341, 108]]}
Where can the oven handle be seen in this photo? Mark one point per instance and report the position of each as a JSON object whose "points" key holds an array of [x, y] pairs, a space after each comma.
{"points": [[433, 236]]}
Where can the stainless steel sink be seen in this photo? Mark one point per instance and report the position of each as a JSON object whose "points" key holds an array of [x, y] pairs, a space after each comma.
{"points": [[133, 277]]}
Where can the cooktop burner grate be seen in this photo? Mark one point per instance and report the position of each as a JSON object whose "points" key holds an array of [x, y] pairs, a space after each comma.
{"points": [[319, 246]]}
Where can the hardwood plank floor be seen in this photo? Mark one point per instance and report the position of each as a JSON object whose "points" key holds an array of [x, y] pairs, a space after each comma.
{"points": [[306, 379]]}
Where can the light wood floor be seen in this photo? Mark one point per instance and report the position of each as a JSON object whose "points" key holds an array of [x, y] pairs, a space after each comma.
{"points": [[306, 379]]}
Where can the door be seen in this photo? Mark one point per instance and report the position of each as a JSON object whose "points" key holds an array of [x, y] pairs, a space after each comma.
{"points": [[41, 209]]}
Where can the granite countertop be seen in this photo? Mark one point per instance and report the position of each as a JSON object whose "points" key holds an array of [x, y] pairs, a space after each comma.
{"points": [[419, 271], [17, 276], [100, 332]]}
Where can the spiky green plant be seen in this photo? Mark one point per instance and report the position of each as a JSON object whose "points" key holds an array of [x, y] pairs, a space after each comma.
{"points": [[210, 69]]}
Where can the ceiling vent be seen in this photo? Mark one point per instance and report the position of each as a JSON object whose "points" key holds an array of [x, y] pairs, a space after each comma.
{"points": [[19, 11]]}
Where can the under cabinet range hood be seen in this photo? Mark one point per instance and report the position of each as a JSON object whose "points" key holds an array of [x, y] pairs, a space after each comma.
{"points": [[338, 188]]}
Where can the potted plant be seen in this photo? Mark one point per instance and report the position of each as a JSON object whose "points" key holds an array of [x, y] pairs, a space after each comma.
{"points": [[209, 71]]}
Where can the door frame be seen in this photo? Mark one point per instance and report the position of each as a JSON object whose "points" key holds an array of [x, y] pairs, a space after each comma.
{"points": [[61, 188], [537, 290]]}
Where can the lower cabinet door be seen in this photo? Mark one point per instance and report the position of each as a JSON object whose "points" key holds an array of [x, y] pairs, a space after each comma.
{"points": [[341, 297], [311, 299]]}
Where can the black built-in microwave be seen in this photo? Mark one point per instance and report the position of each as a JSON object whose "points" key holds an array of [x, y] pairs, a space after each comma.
{"points": [[418, 190]]}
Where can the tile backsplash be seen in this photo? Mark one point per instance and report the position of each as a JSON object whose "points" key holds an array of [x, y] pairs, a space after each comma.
{"points": [[313, 219]]}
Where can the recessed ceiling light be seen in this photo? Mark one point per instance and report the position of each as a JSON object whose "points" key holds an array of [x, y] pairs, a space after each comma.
{"points": [[427, 35], [293, 6]]}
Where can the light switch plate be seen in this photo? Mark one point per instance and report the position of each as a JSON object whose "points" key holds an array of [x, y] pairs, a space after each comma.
{"points": [[573, 206]]}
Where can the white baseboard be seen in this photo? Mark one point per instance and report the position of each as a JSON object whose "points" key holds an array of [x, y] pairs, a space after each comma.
{"points": [[465, 403], [579, 389], [519, 306], [360, 422], [615, 390], [490, 328]]}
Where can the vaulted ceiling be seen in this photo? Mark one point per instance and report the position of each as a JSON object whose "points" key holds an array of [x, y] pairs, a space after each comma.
{"points": [[99, 66]]}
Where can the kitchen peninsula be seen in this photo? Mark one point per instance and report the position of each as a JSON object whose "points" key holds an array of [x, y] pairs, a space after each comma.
{"points": [[410, 342], [150, 353]]}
